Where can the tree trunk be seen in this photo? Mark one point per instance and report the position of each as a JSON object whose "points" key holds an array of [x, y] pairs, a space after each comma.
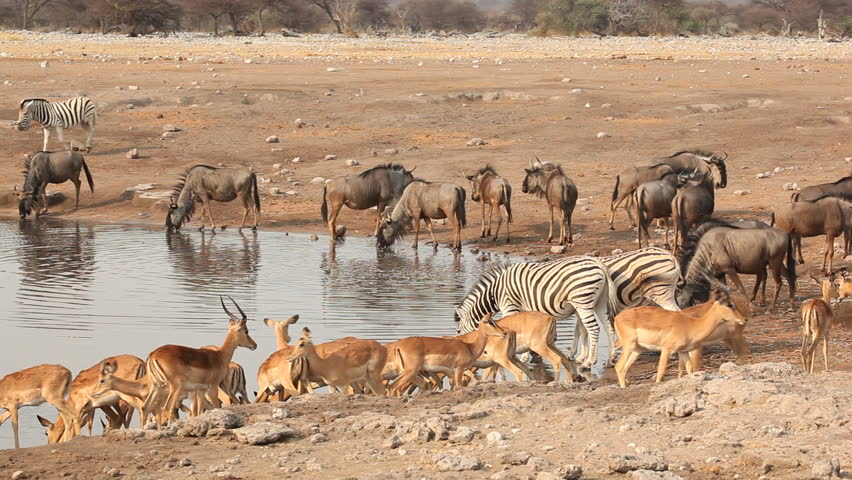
{"points": [[235, 23], [262, 31], [215, 25]]}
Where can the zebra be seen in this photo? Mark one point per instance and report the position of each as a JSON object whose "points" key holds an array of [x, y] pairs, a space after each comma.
{"points": [[560, 288], [650, 273], [58, 115]]}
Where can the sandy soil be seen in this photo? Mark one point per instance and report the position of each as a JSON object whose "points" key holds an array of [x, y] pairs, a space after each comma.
{"points": [[781, 103]]}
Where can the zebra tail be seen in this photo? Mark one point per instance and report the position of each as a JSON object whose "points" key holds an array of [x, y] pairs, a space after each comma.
{"points": [[324, 208], [507, 199], [89, 177], [256, 194]]}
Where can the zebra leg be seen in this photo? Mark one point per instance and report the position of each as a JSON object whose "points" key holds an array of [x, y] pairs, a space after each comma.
{"points": [[60, 132], [46, 138], [90, 133], [590, 322]]}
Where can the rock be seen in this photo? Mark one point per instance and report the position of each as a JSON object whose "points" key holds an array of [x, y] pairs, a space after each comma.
{"points": [[680, 407], [296, 160], [494, 437], [19, 474], [602, 135], [297, 183], [791, 186], [133, 87], [291, 192], [340, 231], [652, 475], [352, 163], [113, 472], [317, 181], [263, 433], [475, 142], [462, 435], [391, 151], [272, 139], [558, 249], [279, 413], [763, 175], [44, 64], [275, 191], [627, 463], [514, 458], [319, 438], [332, 69], [826, 469], [133, 154], [330, 416], [456, 463], [314, 238], [300, 123], [392, 442], [577, 90], [276, 166], [200, 425], [617, 251], [606, 105], [185, 462], [170, 128], [167, 135], [331, 157], [741, 192]]}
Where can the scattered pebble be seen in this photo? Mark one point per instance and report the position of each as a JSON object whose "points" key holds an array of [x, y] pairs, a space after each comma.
{"points": [[272, 139], [133, 154]]}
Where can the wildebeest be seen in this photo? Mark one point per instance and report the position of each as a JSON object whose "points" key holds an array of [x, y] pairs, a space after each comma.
{"points": [[205, 183], [425, 201], [490, 189], [696, 161], [376, 187], [693, 204], [828, 216], [718, 249], [626, 184], [653, 200], [50, 167], [841, 189], [548, 181]]}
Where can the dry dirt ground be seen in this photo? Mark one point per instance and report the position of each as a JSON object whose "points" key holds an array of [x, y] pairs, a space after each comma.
{"points": [[769, 103], [765, 420]]}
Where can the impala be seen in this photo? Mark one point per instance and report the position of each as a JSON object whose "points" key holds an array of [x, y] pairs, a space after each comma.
{"points": [[32, 387]]}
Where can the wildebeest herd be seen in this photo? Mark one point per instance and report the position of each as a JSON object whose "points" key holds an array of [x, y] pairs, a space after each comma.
{"points": [[673, 300]]}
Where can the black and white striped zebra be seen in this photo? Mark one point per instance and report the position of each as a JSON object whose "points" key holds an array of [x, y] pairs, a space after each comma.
{"points": [[650, 273], [58, 115], [559, 288]]}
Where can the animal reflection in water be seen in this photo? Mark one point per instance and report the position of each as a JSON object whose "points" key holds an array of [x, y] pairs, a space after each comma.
{"points": [[69, 253], [203, 261], [204, 183]]}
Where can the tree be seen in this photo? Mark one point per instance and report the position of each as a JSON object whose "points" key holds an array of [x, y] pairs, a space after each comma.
{"points": [[25, 10], [235, 11], [424, 15], [523, 12], [627, 15], [568, 16], [341, 12]]}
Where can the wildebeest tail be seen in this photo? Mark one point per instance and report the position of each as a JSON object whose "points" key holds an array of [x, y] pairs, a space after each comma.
{"points": [[615, 189], [640, 214], [89, 177], [324, 208], [507, 200], [790, 267], [772, 219], [256, 194], [461, 213]]}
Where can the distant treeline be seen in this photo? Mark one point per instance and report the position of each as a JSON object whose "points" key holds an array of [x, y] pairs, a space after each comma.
{"points": [[540, 17]]}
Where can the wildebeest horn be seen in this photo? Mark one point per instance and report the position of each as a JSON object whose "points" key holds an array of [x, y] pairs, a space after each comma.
{"points": [[16, 188], [726, 156], [413, 169]]}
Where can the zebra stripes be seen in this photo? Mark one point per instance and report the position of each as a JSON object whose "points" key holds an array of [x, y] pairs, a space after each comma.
{"points": [[646, 274], [58, 115], [559, 288]]}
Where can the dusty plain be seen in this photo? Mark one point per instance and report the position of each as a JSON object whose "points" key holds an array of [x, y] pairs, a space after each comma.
{"points": [[781, 106]]}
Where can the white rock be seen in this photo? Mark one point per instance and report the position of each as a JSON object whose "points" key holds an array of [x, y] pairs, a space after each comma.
{"points": [[475, 142], [606, 105], [291, 192], [317, 180], [19, 474], [272, 139], [170, 128], [791, 186], [566, 80], [778, 170], [352, 163], [577, 90], [764, 175], [332, 69], [133, 153], [588, 105], [44, 64], [133, 87], [558, 249], [300, 123], [296, 160], [274, 191], [617, 251], [331, 157], [495, 437], [168, 135], [279, 413], [741, 192], [276, 166], [602, 135]]}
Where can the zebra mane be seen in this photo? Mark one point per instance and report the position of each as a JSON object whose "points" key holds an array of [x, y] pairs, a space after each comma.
{"points": [[31, 100]]}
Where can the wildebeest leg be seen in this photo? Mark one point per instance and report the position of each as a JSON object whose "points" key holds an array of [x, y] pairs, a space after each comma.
{"points": [[46, 139], [380, 209], [457, 226], [332, 220], [776, 277], [245, 200], [566, 219], [482, 233], [500, 224], [667, 226], [550, 231], [431, 232], [828, 257], [490, 217], [736, 279], [76, 182], [206, 203], [629, 208], [416, 229], [797, 241], [44, 198], [761, 277]]}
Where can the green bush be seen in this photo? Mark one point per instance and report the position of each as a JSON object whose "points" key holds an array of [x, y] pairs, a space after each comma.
{"points": [[573, 17]]}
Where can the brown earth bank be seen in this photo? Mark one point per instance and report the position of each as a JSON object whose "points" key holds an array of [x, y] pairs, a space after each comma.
{"points": [[780, 109], [760, 421]]}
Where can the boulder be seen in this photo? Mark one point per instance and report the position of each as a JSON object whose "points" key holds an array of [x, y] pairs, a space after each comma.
{"points": [[263, 433]]}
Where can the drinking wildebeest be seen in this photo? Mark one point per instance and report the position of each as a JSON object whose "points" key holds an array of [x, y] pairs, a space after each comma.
{"points": [[828, 216], [693, 204], [205, 183], [550, 182], [653, 200], [425, 201], [841, 189], [627, 182], [50, 167], [718, 248], [375, 187], [490, 189]]}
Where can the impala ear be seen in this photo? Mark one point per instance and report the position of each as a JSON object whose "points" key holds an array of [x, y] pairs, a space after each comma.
{"points": [[44, 422], [292, 320], [268, 322]]}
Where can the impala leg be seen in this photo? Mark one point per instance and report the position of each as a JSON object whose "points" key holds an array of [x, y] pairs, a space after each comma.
{"points": [[13, 411], [825, 349], [805, 338], [628, 357], [662, 364]]}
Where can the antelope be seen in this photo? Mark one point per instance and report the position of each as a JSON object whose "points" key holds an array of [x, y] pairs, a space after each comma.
{"points": [[816, 319], [359, 361], [458, 354], [234, 383], [81, 402], [535, 331], [185, 369], [490, 189], [32, 387], [654, 329], [727, 333]]}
